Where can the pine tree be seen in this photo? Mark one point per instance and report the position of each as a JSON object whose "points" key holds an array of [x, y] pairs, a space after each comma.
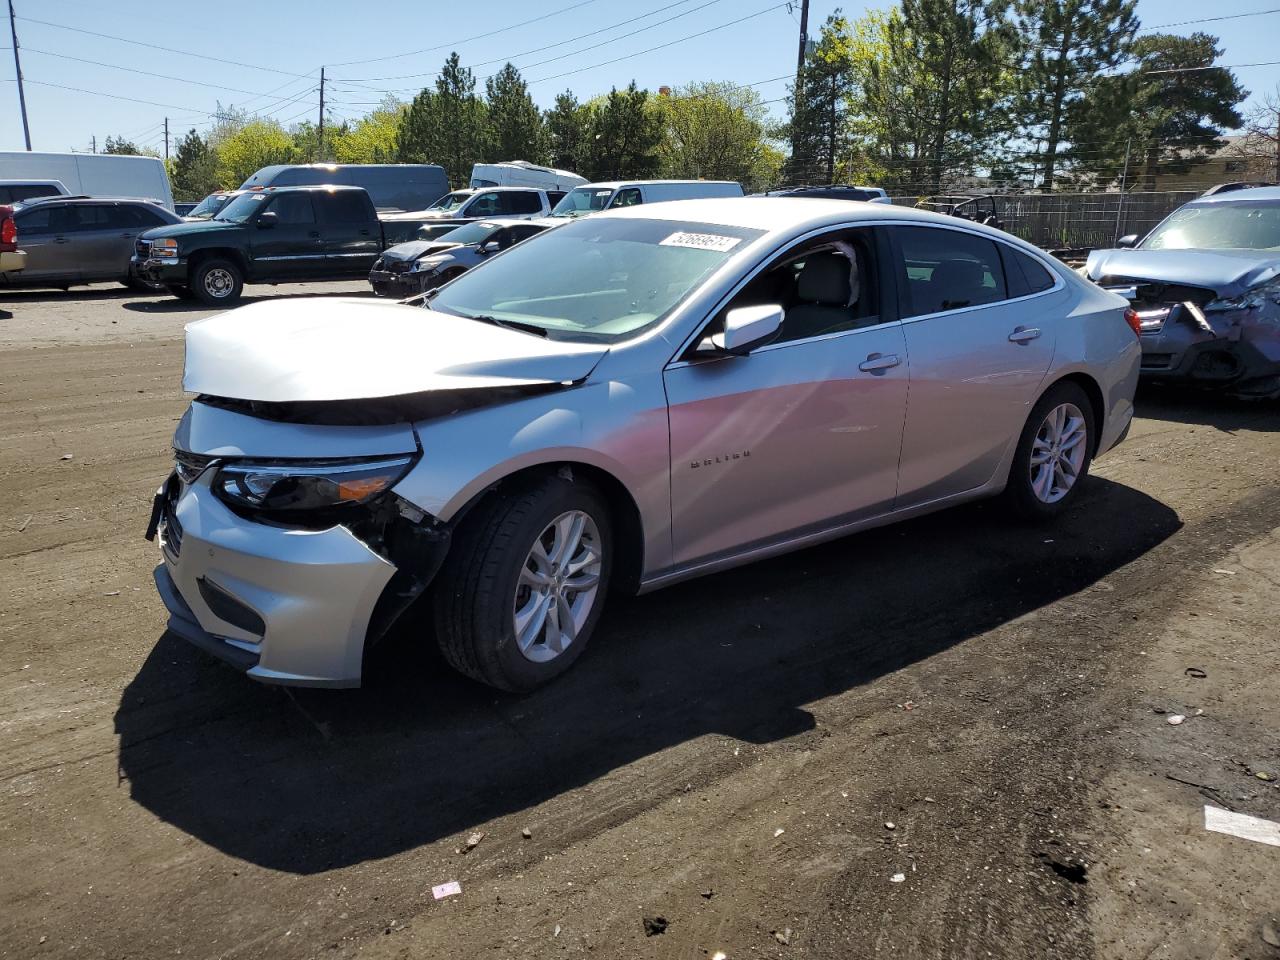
{"points": [[566, 131], [819, 125], [195, 168], [445, 126], [623, 136], [515, 130]]}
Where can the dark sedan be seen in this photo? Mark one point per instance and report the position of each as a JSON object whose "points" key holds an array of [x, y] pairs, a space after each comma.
{"points": [[419, 265]]}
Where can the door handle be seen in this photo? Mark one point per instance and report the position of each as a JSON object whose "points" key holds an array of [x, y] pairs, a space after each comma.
{"points": [[364, 233], [879, 361], [1024, 334], [61, 240], [314, 233]]}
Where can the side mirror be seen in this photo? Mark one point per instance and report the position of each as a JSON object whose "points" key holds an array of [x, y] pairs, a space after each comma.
{"points": [[490, 246], [267, 220], [1128, 240], [749, 327]]}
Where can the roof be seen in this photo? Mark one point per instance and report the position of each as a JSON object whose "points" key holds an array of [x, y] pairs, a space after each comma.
{"points": [[778, 213], [615, 184], [509, 221], [81, 198], [1270, 194]]}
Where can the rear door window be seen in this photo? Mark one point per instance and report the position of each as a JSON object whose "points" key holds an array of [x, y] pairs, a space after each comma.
{"points": [[521, 202], [128, 216], [942, 270], [344, 206], [89, 216], [1024, 274]]}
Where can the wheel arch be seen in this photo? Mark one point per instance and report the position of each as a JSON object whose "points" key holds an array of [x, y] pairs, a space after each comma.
{"points": [[235, 256], [1097, 400], [623, 508]]}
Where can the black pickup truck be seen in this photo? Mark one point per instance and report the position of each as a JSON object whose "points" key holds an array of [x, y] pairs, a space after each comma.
{"points": [[274, 235]]}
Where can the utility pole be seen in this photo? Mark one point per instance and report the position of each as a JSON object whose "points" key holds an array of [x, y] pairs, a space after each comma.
{"points": [[320, 125], [1124, 180], [166, 139], [804, 38], [94, 141], [17, 70]]}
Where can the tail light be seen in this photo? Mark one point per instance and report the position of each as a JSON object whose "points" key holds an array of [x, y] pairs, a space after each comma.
{"points": [[8, 233], [1133, 320]]}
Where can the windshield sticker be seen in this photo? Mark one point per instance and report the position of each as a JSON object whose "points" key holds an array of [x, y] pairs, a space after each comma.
{"points": [[701, 241]]}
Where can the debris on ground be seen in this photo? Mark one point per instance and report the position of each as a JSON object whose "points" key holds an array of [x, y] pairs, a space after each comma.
{"points": [[783, 936], [556, 932], [1226, 573], [1195, 673], [654, 926], [1270, 935], [450, 889], [779, 832], [1067, 870], [1242, 825], [898, 878], [1263, 775], [66, 456], [1176, 719], [890, 825], [527, 833], [23, 525], [707, 894], [473, 841]]}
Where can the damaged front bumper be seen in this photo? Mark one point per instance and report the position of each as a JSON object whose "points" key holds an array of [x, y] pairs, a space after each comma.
{"points": [[400, 284], [1196, 341]]}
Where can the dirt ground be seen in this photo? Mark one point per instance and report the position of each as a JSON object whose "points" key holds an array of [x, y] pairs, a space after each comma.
{"points": [[728, 757]]}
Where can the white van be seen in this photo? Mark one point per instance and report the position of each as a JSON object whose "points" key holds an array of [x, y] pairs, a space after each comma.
{"points": [[92, 174], [594, 197], [522, 173]]}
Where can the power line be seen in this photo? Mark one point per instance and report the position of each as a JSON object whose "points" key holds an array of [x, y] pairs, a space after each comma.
{"points": [[479, 36], [145, 73], [1230, 16], [154, 46]]}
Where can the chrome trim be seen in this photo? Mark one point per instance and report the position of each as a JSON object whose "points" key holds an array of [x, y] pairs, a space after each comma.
{"points": [[292, 256]]}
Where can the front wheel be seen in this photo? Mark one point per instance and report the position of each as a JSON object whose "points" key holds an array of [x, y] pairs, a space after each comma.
{"points": [[1053, 455], [217, 282], [525, 584]]}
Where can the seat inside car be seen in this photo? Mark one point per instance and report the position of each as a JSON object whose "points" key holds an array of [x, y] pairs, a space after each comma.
{"points": [[952, 285]]}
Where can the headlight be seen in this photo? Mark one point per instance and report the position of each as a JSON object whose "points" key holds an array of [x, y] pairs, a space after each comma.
{"points": [[1250, 299], [427, 264], [164, 248], [303, 486]]}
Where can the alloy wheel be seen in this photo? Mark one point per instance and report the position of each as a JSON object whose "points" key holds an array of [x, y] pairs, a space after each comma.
{"points": [[218, 282], [557, 586], [1058, 453]]}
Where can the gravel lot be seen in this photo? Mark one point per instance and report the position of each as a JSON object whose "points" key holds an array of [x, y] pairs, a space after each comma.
{"points": [[728, 756]]}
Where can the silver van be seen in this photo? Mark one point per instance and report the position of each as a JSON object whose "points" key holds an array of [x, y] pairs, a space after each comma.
{"points": [[594, 197]]}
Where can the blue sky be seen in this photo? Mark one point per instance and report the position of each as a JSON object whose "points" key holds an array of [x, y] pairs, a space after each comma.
{"points": [[292, 39]]}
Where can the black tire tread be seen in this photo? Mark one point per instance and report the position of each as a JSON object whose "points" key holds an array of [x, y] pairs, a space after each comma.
{"points": [[1016, 493]]}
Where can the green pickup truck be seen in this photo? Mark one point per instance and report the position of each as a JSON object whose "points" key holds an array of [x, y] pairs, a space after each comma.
{"points": [[273, 235]]}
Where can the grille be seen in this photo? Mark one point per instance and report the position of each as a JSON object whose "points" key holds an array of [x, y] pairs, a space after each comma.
{"points": [[171, 532], [397, 266], [190, 465]]}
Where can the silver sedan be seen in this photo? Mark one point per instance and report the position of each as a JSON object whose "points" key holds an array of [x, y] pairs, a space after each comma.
{"points": [[618, 404]]}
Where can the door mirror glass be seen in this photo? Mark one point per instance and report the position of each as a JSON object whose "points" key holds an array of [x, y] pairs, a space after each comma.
{"points": [[749, 327], [267, 220], [1128, 240], [490, 246]]}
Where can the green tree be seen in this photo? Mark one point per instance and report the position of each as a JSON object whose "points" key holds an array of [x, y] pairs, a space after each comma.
{"points": [[121, 145], [623, 136], [514, 129], [566, 131], [194, 168], [372, 139], [714, 131], [257, 144], [1170, 110], [1068, 44], [819, 125], [445, 125]]}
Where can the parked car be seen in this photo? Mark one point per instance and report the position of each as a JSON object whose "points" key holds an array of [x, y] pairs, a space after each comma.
{"points": [[208, 208], [12, 260], [1206, 285], [276, 235], [19, 191], [594, 197], [392, 187], [509, 202], [415, 267], [92, 174], [833, 191], [522, 173], [622, 403], [984, 208], [70, 241]]}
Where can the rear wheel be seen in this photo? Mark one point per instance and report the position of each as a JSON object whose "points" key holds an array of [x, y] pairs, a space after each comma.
{"points": [[1054, 453], [217, 282], [525, 583]]}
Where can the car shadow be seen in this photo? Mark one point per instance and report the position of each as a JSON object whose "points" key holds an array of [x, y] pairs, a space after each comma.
{"points": [[1208, 408], [306, 780], [75, 294], [171, 304]]}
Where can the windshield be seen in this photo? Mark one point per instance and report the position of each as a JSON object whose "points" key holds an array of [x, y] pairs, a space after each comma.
{"points": [[451, 201], [599, 280], [582, 200], [210, 205], [243, 208], [470, 233], [1219, 226]]}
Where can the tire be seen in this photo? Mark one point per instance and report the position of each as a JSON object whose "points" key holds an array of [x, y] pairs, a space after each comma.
{"points": [[181, 292], [485, 586], [217, 282], [1040, 491]]}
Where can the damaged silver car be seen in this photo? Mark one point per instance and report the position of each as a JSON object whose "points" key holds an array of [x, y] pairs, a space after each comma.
{"points": [[1206, 287], [621, 403]]}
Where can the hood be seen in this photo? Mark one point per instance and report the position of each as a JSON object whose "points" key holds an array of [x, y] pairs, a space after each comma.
{"points": [[189, 228], [1229, 273], [317, 349], [415, 249]]}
